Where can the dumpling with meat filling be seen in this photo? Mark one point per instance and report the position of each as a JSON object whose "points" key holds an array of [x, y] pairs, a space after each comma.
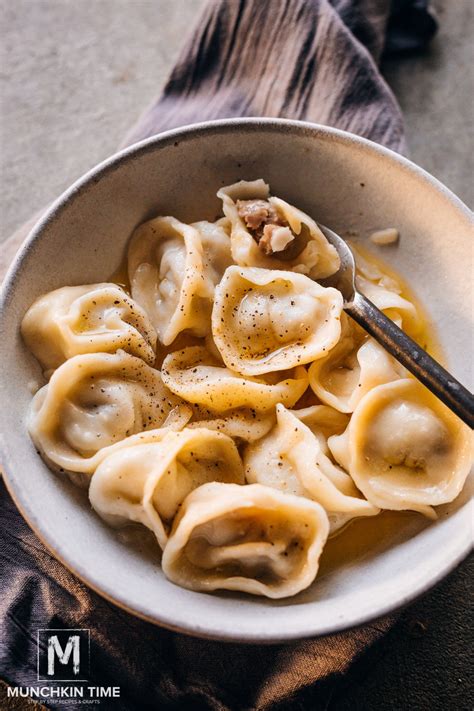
{"points": [[265, 320], [147, 483], [269, 232], [173, 269], [194, 375], [249, 538], [295, 459], [94, 401], [87, 319], [405, 449]]}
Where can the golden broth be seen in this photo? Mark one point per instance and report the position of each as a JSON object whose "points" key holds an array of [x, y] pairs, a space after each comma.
{"points": [[426, 337]]}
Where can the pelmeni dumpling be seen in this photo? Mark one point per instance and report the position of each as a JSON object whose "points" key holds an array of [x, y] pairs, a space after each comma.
{"points": [[406, 450], [173, 272], [294, 459], [393, 305], [326, 422], [194, 375], [243, 424], [322, 420], [87, 319], [249, 538], [356, 365], [268, 232], [94, 401], [265, 320], [384, 291], [147, 483], [216, 251]]}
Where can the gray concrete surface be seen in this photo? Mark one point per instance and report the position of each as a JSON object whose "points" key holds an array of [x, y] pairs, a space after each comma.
{"points": [[75, 75], [436, 93]]}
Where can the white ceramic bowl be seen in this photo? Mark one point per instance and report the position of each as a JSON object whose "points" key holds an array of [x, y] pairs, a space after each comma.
{"points": [[345, 182]]}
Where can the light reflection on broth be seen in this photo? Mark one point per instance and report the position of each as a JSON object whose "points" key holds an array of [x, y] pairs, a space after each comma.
{"points": [[365, 536]]}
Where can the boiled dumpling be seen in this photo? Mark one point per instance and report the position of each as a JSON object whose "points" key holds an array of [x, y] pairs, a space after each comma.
{"points": [[173, 272], [351, 369], [147, 483], [326, 424], [216, 251], [322, 420], [194, 375], [268, 232], [87, 319], [249, 538], [243, 424], [395, 306], [385, 292], [94, 401], [406, 450], [295, 459], [266, 320]]}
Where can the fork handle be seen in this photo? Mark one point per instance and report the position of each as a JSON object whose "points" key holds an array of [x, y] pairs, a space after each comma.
{"points": [[413, 357]]}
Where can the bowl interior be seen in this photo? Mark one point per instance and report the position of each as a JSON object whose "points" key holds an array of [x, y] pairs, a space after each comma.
{"points": [[347, 184]]}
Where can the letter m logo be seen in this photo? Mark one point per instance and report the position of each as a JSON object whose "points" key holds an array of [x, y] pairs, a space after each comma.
{"points": [[63, 655], [55, 650]]}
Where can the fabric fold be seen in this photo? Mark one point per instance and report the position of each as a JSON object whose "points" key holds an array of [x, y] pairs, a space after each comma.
{"points": [[294, 59]]}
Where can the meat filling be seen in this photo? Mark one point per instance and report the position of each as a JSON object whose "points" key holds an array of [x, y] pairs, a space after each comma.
{"points": [[271, 232]]}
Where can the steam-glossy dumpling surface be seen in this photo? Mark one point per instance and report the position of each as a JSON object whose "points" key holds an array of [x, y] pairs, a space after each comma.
{"points": [[385, 291], [265, 320], [194, 375], [173, 269], [295, 459], [406, 450], [94, 401], [147, 483], [353, 367], [249, 538], [244, 424], [87, 319]]}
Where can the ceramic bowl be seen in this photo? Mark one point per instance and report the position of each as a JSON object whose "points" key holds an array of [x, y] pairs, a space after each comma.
{"points": [[345, 182]]}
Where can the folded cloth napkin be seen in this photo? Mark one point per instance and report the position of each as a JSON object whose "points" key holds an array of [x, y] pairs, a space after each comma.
{"points": [[307, 59]]}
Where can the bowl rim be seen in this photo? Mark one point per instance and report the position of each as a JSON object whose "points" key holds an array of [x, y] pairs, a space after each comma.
{"points": [[416, 585]]}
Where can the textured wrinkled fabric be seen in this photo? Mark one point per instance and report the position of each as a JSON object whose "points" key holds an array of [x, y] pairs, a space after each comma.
{"points": [[315, 60], [292, 59]]}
